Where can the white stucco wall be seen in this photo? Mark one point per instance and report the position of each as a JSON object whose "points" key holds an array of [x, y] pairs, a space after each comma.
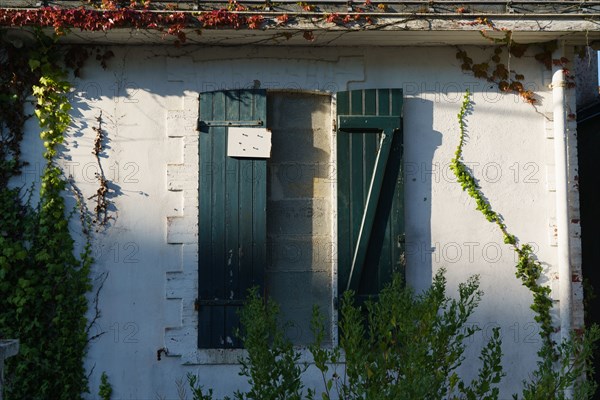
{"points": [[148, 99]]}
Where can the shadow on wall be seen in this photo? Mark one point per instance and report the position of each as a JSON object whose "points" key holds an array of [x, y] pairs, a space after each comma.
{"points": [[420, 143]]}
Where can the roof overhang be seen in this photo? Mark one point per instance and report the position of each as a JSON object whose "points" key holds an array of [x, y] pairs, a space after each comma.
{"points": [[389, 32], [345, 23]]}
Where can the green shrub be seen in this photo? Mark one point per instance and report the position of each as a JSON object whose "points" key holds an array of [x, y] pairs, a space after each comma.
{"points": [[564, 371], [400, 346], [272, 364], [197, 389], [407, 346]]}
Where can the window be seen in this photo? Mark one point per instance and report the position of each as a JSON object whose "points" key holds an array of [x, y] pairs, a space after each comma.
{"points": [[275, 222]]}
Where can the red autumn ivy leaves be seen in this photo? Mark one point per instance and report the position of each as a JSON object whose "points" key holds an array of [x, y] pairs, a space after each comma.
{"points": [[172, 23], [497, 72], [138, 15], [62, 19], [511, 81], [345, 19]]}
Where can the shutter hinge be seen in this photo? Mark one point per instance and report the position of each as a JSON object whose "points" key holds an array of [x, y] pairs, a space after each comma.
{"points": [[196, 305], [204, 125]]}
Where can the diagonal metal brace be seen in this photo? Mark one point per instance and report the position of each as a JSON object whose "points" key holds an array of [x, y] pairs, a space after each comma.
{"points": [[387, 126]]}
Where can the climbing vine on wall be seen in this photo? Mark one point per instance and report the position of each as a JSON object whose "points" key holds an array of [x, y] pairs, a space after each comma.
{"points": [[561, 367], [529, 270], [42, 282], [102, 203]]}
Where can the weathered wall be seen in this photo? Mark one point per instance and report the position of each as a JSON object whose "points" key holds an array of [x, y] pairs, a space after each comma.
{"points": [[148, 98]]}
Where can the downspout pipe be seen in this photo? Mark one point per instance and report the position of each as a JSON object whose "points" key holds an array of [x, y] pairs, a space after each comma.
{"points": [[562, 192]]}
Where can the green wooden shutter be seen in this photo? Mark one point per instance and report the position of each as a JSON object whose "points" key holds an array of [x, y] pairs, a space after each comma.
{"points": [[232, 215], [370, 189]]}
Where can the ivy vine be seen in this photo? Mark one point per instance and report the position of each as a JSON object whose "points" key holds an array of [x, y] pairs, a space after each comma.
{"points": [[528, 268], [102, 203], [43, 283], [564, 367], [105, 389]]}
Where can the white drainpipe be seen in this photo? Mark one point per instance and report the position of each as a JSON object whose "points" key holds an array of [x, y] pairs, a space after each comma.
{"points": [[562, 203]]}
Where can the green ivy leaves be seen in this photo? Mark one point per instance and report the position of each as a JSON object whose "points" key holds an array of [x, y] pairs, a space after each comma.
{"points": [[42, 283], [52, 110], [561, 367], [529, 270]]}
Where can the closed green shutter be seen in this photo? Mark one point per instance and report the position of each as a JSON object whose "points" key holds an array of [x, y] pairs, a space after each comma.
{"points": [[370, 189], [232, 215]]}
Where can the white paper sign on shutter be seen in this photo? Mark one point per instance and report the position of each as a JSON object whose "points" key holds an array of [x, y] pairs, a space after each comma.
{"points": [[249, 142]]}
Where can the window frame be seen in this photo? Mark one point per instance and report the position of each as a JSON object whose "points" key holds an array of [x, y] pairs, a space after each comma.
{"points": [[336, 286]]}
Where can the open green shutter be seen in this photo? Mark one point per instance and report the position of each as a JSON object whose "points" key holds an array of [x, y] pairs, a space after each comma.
{"points": [[232, 215], [370, 189]]}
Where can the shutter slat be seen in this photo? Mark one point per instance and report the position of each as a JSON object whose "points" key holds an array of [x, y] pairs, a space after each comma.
{"points": [[204, 218], [232, 221], [384, 102], [245, 210], [358, 175], [344, 246], [357, 183], [259, 226], [356, 102], [217, 222], [396, 102], [370, 102], [246, 201], [369, 280], [218, 198]]}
